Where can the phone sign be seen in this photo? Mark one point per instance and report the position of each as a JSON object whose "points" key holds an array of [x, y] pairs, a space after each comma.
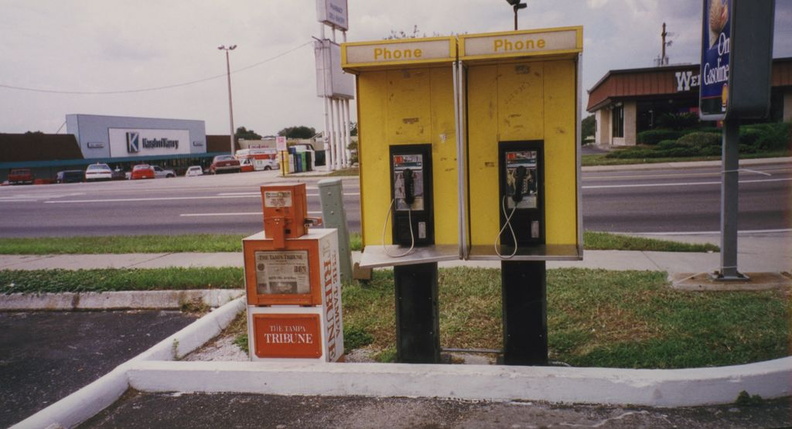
{"points": [[715, 58]]}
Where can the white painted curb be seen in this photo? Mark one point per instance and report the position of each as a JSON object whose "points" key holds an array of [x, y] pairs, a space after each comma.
{"points": [[195, 335], [655, 388], [82, 404]]}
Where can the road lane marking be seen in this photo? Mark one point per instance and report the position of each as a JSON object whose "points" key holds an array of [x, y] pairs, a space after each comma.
{"points": [[208, 197], [657, 185], [746, 231], [36, 197], [228, 214], [258, 194], [135, 200]]}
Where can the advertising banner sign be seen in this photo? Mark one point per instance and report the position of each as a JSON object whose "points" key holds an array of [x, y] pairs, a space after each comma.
{"points": [[715, 56], [125, 142], [333, 13]]}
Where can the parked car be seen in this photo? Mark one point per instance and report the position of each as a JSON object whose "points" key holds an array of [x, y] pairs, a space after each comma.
{"points": [[20, 175], [69, 176], [98, 172], [160, 172], [223, 164], [142, 171], [119, 174], [194, 170]]}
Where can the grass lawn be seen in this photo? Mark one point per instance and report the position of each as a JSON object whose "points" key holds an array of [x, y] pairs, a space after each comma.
{"points": [[596, 318], [207, 243]]}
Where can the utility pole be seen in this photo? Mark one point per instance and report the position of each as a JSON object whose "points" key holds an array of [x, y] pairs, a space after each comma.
{"points": [[230, 103]]}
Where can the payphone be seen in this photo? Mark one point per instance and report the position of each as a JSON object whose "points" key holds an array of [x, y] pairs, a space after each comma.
{"points": [[521, 178], [411, 194]]}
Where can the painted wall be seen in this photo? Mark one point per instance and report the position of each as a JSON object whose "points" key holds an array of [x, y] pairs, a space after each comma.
{"points": [[106, 136]]}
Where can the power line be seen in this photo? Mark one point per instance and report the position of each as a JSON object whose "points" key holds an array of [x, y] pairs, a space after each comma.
{"points": [[158, 88]]}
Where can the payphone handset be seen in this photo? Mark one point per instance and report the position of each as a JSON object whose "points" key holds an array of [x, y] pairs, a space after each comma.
{"points": [[411, 195], [521, 171]]}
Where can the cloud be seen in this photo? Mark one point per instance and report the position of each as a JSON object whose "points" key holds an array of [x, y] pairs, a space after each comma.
{"points": [[98, 45]]}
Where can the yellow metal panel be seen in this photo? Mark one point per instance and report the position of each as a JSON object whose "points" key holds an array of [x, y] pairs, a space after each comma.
{"points": [[406, 106], [483, 137], [520, 110], [409, 106], [560, 153], [444, 159], [523, 101], [374, 167]]}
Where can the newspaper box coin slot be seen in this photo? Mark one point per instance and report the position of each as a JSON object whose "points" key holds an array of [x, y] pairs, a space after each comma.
{"points": [[285, 212]]}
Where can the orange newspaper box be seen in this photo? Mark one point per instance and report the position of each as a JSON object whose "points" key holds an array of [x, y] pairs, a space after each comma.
{"points": [[285, 211], [292, 275]]}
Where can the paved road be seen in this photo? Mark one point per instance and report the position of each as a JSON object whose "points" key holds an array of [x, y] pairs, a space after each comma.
{"points": [[659, 199], [684, 200]]}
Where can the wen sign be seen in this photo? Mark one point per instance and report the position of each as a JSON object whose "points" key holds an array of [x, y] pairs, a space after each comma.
{"points": [[736, 58]]}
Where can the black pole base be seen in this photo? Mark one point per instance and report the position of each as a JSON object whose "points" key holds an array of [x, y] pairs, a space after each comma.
{"points": [[524, 286], [417, 314]]}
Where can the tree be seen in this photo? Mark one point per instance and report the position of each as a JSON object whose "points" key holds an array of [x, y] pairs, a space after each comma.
{"points": [[244, 133], [403, 35], [588, 127], [298, 132]]}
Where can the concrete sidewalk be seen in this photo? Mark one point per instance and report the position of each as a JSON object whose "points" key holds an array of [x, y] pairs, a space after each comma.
{"points": [[758, 252]]}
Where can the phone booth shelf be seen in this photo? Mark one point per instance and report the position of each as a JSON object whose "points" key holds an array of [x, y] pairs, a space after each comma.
{"points": [[538, 252], [377, 256]]}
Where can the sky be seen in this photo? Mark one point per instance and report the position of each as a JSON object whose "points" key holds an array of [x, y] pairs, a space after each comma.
{"points": [[159, 59]]}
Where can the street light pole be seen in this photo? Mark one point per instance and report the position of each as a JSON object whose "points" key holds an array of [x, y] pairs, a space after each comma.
{"points": [[517, 5], [230, 103]]}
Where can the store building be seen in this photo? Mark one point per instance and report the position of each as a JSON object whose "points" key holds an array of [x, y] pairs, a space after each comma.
{"points": [[118, 141], [626, 102]]}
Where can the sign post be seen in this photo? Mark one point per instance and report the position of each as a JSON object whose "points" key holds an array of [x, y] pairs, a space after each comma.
{"points": [[736, 62]]}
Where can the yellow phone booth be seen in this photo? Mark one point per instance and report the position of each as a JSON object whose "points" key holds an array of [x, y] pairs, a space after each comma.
{"points": [[407, 149], [408, 174], [523, 144], [523, 161], [469, 148]]}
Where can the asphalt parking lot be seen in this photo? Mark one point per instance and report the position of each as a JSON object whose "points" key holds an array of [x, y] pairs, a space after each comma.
{"points": [[45, 356]]}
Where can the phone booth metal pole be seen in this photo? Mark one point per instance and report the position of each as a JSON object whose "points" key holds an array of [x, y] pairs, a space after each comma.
{"points": [[524, 288], [417, 313]]}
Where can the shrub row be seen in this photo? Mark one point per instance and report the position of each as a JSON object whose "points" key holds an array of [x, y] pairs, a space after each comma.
{"points": [[663, 143]]}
